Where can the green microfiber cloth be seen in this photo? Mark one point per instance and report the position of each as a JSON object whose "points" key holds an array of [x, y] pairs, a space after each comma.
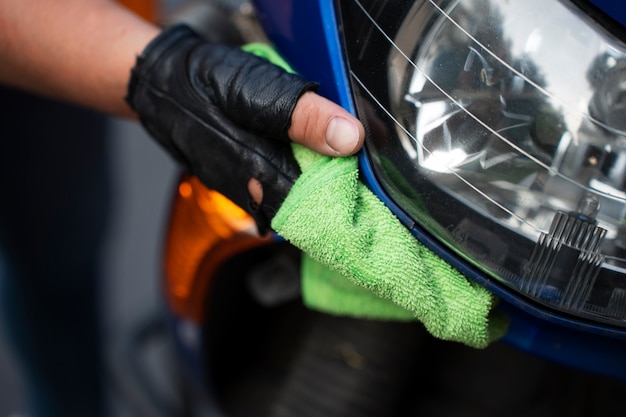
{"points": [[360, 260], [327, 290]]}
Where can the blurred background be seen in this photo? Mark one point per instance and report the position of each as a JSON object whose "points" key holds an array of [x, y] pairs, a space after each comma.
{"points": [[143, 177], [143, 180]]}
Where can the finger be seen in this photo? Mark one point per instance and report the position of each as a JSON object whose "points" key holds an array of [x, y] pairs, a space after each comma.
{"points": [[325, 127], [255, 188]]}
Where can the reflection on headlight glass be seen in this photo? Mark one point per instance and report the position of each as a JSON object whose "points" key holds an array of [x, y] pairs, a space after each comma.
{"points": [[515, 111]]}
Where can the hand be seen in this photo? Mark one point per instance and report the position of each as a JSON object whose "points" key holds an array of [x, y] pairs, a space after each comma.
{"points": [[226, 115]]}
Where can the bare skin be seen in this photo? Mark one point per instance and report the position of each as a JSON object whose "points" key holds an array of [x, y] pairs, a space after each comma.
{"points": [[82, 51]]}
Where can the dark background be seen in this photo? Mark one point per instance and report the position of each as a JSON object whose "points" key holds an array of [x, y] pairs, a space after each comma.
{"points": [[144, 177]]}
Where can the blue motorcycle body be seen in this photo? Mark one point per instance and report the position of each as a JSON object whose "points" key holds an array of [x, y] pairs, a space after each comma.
{"points": [[307, 34]]}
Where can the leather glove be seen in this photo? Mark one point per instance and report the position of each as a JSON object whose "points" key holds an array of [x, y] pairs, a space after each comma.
{"points": [[222, 113]]}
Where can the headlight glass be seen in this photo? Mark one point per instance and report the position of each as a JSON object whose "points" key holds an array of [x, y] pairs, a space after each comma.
{"points": [[499, 127]]}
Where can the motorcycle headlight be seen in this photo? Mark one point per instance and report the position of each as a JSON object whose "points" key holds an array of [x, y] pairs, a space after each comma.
{"points": [[499, 127]]}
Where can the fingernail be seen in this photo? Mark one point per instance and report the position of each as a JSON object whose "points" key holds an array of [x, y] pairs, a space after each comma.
{"points": [[342, 135]]}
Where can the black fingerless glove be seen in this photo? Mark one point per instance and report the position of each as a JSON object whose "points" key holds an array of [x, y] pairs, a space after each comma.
{"points": [[222, 113]]}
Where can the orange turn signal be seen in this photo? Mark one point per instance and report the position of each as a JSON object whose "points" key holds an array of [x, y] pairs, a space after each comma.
{"points": [[147, 9], [205, 230]]}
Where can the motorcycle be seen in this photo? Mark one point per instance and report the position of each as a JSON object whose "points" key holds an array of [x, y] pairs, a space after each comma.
{"points": [[508, 115]]}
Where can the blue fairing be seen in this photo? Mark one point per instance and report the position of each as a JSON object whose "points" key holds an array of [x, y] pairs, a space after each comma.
{"points": [[614, 9], [306, 34]]}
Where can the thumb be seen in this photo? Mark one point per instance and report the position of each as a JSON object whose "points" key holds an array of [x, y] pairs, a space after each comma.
{"points": [[325, 127]]}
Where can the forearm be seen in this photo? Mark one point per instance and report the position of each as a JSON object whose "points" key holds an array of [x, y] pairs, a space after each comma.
{"points": [[76, 50]]}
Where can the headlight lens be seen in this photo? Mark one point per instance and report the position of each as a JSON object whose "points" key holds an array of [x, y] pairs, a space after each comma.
{"points": [[499, 127]]}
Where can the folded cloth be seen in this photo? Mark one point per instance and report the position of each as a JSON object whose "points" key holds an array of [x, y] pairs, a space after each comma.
{"points": [[326, 290], [359, 260]]}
